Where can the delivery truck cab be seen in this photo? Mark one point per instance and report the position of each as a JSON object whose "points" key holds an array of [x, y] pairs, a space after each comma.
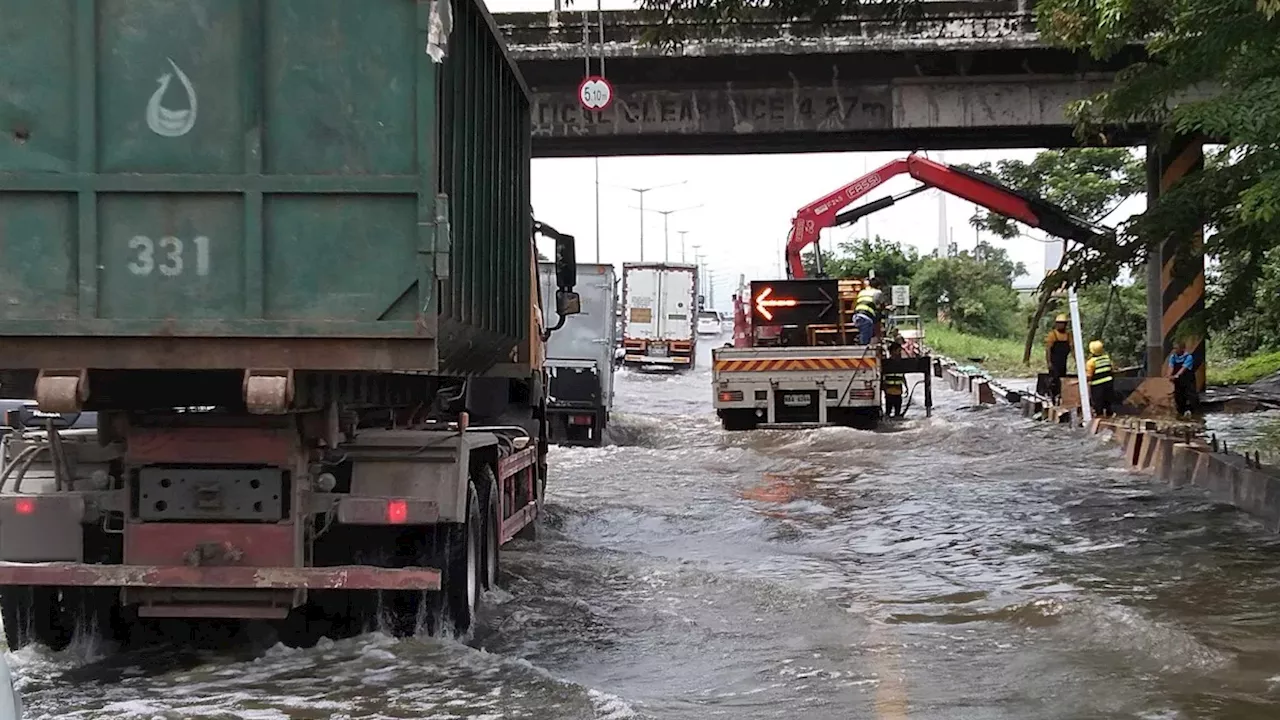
{"points": [[580, 358]]}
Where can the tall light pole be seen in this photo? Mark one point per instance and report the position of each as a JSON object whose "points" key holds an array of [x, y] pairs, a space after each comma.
{"points": [[682, 234], [695, 263], [641, 192], [666, 227]]}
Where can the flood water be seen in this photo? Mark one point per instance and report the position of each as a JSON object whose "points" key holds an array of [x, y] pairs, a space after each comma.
{"points": [[975, 565]]}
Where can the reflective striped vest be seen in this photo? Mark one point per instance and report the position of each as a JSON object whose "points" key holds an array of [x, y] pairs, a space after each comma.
{"points": [[893, 384], [867, 302], [1101, 369]]}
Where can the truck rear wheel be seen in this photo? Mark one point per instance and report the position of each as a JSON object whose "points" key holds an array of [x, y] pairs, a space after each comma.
{"points": [[34, 614], [464, 550], [303, 628], [492, 519]]}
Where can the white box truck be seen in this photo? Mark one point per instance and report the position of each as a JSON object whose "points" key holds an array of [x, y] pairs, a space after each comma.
{"points": [[580, 357], [659, 315]]}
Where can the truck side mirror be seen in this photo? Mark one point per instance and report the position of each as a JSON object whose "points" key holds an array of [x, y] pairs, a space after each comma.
{"points": [[568, 303], [566, 264]]}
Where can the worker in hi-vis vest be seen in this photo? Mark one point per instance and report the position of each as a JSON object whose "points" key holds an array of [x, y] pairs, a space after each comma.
{"points": [[894, 386], [1057, 348], [1101, 380]]}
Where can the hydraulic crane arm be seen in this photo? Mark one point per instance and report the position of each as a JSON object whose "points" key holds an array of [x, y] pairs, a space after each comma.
{"points": [[978, 189]]}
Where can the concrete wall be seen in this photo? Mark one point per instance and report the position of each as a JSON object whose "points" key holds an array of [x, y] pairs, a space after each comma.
{"points": [[1226, 478]]}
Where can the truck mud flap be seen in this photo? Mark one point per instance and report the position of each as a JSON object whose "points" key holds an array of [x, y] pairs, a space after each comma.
{"points": [[345, 577]]}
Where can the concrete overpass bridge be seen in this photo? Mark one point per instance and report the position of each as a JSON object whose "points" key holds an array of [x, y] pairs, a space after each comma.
{"points": [[966, 74]]}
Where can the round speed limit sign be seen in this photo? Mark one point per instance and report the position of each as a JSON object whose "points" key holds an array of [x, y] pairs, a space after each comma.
{"points": [[595, 93]]}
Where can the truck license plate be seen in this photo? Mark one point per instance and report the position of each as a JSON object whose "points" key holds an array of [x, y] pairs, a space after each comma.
{"points": [[657, 351], [795, 399]]}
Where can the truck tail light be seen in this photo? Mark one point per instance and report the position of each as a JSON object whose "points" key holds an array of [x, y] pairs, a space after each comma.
{"points": [[397, 512], [581, 419], [24, 506], [730, 395]]}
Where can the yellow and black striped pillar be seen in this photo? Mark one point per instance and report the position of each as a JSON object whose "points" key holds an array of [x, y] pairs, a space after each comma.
{"points": [[1181, 258]]}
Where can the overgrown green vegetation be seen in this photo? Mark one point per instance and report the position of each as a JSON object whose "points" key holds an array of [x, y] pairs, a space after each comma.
{"points": [[1242, 372], [1002, 357]]}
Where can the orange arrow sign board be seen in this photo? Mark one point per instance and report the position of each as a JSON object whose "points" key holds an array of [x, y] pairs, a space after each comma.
{"points": [[763, 303]]}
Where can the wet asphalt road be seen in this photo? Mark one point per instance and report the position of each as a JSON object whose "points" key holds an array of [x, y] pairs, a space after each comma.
{"points": [[974, 565]]}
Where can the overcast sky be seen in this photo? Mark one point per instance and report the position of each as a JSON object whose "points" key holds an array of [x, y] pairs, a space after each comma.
{"points": [[746, 203]]}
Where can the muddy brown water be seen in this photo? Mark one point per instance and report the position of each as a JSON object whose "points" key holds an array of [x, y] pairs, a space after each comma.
{"points": [[973, 565]]}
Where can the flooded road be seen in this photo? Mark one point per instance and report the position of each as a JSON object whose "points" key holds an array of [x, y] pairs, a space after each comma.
{"points": [[974, 565]]}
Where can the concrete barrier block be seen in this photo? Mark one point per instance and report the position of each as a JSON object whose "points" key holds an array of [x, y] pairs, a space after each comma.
{"points": [[1162, 456], [1120, 436], [1147, 453], [1182, 464], [982, 392], [1132, 448], [1207, 474]]}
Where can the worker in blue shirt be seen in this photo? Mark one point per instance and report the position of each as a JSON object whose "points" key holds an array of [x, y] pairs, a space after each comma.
{"points": [[1182, 371]]}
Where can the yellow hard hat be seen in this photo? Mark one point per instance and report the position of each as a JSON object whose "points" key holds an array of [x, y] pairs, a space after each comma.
{"points": [[1095, 347], [1062, 317]]}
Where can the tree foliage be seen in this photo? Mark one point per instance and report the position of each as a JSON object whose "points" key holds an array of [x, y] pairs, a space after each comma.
{"points": [[973, 289], [1213, 71], [889, 261], [1087, 182]]}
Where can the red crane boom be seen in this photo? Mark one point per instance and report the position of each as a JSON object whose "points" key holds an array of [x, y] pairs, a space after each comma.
{"points": [[979, 189]]}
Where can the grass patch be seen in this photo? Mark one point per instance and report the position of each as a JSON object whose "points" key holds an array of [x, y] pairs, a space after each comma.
{"points": [[1002, 357], [1243, 371]]}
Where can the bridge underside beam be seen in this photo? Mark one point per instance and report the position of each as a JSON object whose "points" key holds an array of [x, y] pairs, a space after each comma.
{"points": [[906, 140], [730, 118]]}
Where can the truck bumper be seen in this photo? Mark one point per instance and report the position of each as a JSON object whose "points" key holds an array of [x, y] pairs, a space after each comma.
{"points": [[345, 577]]}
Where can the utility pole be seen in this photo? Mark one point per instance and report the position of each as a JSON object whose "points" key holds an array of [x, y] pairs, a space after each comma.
{"points": [[682, 234], [641, 192], [597, 201]]}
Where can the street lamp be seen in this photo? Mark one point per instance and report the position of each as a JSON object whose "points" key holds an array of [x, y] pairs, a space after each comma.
{"points": [[682, 233], [666, 228], [641, 192]]}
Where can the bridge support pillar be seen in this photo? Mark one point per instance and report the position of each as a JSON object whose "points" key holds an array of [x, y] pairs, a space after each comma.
{"points": [[1175, 267]]}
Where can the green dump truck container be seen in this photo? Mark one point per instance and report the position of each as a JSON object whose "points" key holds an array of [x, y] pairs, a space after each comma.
{"points": [[283, 248], [292, 184]]}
